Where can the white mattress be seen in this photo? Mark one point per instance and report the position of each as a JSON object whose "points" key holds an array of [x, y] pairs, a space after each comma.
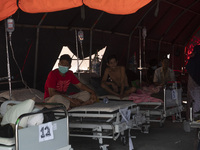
{"points": [[113, 97], [103, 107]]}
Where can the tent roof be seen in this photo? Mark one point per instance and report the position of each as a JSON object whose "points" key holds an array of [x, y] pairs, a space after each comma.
{"points": [[170, 25], [173, 21]]}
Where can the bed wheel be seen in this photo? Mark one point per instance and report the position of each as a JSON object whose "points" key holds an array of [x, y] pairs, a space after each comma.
{"points": [[145, 128], [104, 147]]}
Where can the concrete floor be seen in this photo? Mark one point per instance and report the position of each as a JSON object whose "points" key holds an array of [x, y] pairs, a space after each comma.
{"points": [[169, 137]]}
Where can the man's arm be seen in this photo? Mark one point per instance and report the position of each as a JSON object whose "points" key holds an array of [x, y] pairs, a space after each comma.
{"points": [[105, 76], [86, 88], [53, 92], [104, 84]]}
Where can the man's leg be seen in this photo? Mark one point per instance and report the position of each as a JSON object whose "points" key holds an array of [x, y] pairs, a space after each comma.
{"points": [[84, 96], [57, 99], [110, 89]]}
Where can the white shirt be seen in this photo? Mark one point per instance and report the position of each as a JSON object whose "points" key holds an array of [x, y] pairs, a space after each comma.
{"points": [[161, 78]]}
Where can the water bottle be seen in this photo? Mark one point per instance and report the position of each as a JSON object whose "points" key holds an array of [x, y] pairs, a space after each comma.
{"points": [[105, 100]]}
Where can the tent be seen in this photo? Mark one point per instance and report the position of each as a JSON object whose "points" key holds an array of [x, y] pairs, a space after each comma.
{"points": [[43, 27]]}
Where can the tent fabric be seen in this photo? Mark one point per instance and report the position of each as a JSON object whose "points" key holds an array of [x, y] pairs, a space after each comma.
{"points": [[39, 6], [170, 25], [7, 8], [120, 7]]}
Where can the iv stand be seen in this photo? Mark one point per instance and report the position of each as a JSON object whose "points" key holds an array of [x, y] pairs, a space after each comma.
{"points": [[140, 58], [142, 34], [8, 62], [77, 54]]}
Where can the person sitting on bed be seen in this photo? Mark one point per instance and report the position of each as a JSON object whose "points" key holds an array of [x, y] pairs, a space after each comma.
{"points": [[114, 80], [58, 82], [163, 74]]}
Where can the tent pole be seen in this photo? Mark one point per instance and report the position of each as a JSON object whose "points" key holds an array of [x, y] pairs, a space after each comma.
{"points": [[171, 25], [91, 36], [96, 30], [129, 48], [36, 50], [36, 57], [172, 57]]}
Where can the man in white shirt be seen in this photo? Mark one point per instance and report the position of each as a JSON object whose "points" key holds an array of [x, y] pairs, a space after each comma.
{"points": [[163, 74]]}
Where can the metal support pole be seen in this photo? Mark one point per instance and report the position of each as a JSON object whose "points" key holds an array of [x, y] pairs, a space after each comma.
{"points": [[140, 56], [172, 57], [36, 57], [36, 50], [8, 62], [77, 54], [129, 48]]}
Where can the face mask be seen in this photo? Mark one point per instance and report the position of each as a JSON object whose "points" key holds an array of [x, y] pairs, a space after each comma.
{"points": [[63, 69]]}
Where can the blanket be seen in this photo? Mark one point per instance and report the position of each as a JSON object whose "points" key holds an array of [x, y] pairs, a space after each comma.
{"points": [[144, 94]]}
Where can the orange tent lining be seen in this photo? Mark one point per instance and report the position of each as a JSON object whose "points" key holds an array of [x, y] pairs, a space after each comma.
{"points": [[121, 7], [7, 8]]}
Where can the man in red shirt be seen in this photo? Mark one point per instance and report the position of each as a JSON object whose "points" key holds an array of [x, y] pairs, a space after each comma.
{"points": [[58, 82]]}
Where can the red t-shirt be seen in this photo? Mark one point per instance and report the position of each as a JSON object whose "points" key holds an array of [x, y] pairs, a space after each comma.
{"points": [[58, 82]]}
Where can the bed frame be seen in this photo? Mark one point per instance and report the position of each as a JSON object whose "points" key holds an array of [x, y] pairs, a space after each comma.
{"points": [[158, 111], [105, 120], [171, 106], [53, 135]]}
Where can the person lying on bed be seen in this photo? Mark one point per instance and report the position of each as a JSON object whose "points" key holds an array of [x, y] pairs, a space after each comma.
{"points": [[58, 82], [163, 74], [114, 80]]}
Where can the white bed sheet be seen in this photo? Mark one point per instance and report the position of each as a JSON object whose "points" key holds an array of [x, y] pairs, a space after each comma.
{"points": [[111, 106]]}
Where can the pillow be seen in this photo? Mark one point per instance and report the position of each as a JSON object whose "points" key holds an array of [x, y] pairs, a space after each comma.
{"points": [[36, 119], [7, 141], [5, 106], [15, 111], [24, 94]]}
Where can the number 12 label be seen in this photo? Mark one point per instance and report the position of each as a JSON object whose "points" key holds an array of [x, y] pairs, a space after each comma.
{"points": [[46, 132]]}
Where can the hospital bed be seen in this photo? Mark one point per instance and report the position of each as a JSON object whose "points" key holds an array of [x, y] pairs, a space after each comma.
{"points": [[171, 106], [52, 135], [158, 111], [106, 120], [194, 122]]}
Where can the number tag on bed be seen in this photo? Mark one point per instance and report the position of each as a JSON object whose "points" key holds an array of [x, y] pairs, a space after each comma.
{"points": [[174, 94], [46, 132]]}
